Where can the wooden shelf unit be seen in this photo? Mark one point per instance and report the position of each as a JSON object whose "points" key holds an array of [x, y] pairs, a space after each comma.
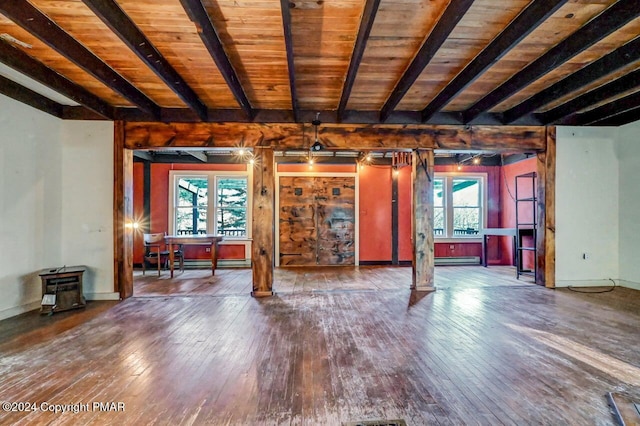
{"points": [[526, 222]]}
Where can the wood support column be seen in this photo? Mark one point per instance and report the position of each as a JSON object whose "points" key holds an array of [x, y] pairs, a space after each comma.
{"points": [[422, 220], [122, 214], [546, 232], [262, 248]]}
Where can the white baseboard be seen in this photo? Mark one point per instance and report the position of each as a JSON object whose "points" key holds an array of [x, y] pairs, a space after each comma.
{"points": [[629, 284], [17, 310], [102, 296], [586, 283]]}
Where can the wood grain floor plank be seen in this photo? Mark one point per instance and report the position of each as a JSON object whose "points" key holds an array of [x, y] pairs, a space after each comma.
{"points": [[333, 345]]}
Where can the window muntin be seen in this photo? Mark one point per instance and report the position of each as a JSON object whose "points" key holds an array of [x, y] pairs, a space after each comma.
{"points": [[459, 205], [231, 209], [209, 203]]}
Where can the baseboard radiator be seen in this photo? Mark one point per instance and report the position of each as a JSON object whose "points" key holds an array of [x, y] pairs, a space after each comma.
{"points": [[460, 260]]}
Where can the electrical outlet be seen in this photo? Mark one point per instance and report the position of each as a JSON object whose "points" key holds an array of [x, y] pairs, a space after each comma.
{"points": [[207, 249], [586, 256], [452, 247]]}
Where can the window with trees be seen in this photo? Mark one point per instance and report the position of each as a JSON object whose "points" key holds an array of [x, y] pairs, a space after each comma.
{"points": [[459, 205], [210, 203]]}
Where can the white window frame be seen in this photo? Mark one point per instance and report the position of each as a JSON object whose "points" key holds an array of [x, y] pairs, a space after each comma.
{"points": [[212, 177], [448, 178]]}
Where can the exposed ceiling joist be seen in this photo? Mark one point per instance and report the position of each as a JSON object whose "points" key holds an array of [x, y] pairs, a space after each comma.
{"points": [[450, 18], [20, 61], [602, 93], [620, 119], [366, 22], [27, 96], [207, 32], [38, 24], [615, 60], [595, 30], [288, 42], [612, 109], [527, 21], [114, 17]]}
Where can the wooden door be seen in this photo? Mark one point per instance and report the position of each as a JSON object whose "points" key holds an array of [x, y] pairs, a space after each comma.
{"points": [[317, 221]]}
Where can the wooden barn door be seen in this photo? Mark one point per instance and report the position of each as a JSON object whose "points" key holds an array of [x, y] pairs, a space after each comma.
{"points": [[317, 221]]}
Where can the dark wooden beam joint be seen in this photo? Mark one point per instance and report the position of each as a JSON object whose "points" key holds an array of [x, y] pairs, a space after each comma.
{"points": [[117, 20], [613, 18], [207, 32], [38, 24], [445, 25]]}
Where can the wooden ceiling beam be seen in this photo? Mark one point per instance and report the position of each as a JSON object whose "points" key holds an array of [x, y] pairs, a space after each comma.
{"points": [[119, 22], [27, 96], [609, 63], [619, 14], [605, 111], [38, 24], [207, 32], [285, 10], [334, 136], [527, 21], [366, 23], [621, 119], [25, 64], [602, 93], [447, 22]]}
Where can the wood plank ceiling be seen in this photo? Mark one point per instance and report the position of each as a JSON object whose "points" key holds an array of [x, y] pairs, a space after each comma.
{"points": [[533, 62]]}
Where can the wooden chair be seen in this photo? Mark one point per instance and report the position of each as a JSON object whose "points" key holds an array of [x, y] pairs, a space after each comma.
{"points": [[155, 252]]}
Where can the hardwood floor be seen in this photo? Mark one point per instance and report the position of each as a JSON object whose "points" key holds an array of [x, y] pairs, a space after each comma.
{"points": [[331, 347]]}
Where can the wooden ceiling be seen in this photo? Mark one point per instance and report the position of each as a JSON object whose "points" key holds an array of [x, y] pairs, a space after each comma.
{"points": [[497, 62]]}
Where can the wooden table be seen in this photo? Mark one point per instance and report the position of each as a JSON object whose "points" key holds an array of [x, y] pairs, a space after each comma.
{"points": [[194, 240], [497, 232]]}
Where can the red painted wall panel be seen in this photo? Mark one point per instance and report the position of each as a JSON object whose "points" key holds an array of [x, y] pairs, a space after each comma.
{"points": [[159, 196], [375, 213], [507, 200], [405, 202]]}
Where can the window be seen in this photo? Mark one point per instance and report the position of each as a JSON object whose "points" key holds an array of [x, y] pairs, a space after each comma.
{"points": [[458, 205], [209, 203]]}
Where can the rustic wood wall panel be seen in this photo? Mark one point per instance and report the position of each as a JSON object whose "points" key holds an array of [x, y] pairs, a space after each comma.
{"points": [[397, 33], [168, 27], [59, 63], [317, 221], [324, 34], [464, 43], [335, 198], [298, 221], [79, 21], [565, 21]]}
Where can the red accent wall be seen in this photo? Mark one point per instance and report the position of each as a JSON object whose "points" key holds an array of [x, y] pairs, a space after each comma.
{"points": [[317, 167], [493, 216], [405, 203], [507, 200], [375, 213], [159, 218]]}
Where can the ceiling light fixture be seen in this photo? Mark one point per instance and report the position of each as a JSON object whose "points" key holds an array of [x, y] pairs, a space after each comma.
{"points": [[317, 146]]}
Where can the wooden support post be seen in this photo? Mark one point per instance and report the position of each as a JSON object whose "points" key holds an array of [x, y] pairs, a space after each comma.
{"points": [[122, 214], [262, 250], [422, 220], [546, 232]]}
